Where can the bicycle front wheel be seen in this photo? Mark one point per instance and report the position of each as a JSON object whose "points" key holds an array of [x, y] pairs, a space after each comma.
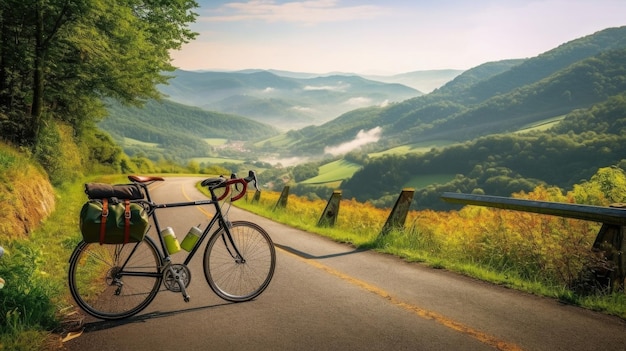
{"points": [[114, 281], [239, 278]]}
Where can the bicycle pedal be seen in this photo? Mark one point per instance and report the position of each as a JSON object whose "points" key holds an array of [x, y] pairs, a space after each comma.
{"points": [[186, 298]]}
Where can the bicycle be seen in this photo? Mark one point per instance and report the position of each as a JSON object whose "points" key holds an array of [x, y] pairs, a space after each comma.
{"points": [[116, 281]]}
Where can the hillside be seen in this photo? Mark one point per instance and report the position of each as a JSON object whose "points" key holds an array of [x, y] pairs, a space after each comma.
{"points": [[177, 131], [573, 150], [492, 98], [283, 101]]}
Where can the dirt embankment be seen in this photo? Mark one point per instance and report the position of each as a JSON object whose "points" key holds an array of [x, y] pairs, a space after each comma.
{"points": [[26, 199]]}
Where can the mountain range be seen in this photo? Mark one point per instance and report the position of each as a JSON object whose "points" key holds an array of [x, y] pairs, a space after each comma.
{"points": [[492, 98], [495, 98], [287, 101]]}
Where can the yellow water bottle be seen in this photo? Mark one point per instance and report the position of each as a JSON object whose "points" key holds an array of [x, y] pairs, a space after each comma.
{"points": [[191, 238], [171, 243]]}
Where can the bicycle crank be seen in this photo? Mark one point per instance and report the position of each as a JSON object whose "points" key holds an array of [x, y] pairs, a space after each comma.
{"points": [[176, 278]]}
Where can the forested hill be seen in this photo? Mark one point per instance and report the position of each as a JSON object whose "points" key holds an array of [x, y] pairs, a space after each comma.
{"points": [[492, 98], [177, 129], [568, 154]]}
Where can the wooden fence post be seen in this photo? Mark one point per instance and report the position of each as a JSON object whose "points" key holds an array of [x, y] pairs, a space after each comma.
{"points": [[610, 242], [256, 197], [329, 216], [282, 200], [397, 217]]}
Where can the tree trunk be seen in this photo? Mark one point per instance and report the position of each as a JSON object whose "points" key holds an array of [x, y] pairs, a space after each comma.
{"points": [[38, 80]]}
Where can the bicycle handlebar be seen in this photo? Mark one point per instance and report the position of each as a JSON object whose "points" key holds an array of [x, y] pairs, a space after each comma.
{"points": [[221, 182]]}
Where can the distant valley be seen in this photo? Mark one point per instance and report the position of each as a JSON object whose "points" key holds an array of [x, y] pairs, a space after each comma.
{"points": [[497, 128], [288, 100]]}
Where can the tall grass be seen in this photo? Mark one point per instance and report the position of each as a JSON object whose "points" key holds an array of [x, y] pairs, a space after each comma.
{"points": [[544, 255], [35, 270]]}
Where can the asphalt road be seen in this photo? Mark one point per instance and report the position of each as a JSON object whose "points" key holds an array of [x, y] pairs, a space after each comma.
{"points": [[329, 296]]}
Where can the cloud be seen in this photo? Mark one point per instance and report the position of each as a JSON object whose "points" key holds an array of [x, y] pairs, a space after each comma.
{"points": [[308, 12], [358, 101], [362, 138], [303, 109], [338, 87]]}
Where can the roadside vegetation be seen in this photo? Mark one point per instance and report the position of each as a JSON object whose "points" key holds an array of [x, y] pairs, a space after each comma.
{"points": [[51, 144], [539, 254]]}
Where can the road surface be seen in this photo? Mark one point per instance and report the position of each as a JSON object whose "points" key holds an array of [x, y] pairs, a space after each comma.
{"points": [[329, 296]]}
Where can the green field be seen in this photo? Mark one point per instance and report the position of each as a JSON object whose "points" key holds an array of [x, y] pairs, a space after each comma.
{"points": [[540, 125], [282, 140], [135, 142], [418, 147], [333, 172], [215, 141]]}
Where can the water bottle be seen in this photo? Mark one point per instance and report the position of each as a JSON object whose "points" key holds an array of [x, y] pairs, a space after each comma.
{"points": [[191, 238], [171, 243]]}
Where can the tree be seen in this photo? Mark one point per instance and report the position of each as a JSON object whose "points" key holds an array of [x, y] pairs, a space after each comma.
{"points": [[60, 58]]}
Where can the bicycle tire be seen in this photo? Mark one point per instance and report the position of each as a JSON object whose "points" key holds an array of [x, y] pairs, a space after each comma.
{"points": [[228, 277], [92, 282]]}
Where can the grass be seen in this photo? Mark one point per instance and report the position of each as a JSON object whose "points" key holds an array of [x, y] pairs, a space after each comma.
{"points": [[135, 142], [540, 125], [282, 140], [333, 172], [360, 224], [418, 147], [215, 141], [35, 297]]}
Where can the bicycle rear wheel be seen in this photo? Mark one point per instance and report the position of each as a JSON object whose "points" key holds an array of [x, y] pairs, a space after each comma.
{"points": [[234, 278], [114, 281]]}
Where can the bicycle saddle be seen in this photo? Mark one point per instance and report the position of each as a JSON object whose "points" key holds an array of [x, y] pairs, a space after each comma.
{"points": [[213, 182]]}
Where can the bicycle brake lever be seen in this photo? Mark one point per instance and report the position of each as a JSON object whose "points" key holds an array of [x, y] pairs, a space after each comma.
{"points": [[252, 178]]}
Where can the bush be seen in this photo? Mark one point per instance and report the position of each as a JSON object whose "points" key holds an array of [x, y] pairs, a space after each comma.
{"points": [[58, 154], [25, 304]]}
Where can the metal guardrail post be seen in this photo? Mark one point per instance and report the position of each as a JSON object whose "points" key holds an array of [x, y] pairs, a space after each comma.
{"points": [[329, 216], [609, 241], [397, 217], [282, 200]]}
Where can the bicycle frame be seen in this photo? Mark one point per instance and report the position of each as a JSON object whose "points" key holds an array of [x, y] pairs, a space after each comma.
{"points": [[218, 217], [229, 274]]}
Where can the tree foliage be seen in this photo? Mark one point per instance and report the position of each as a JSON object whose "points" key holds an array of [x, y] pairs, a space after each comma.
{"points": [[59, 58]]}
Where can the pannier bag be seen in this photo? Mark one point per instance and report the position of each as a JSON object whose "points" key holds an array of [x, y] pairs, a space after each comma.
{"points": [[107, 221]]}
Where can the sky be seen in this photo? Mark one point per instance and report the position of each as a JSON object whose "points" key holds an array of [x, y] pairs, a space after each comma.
{"points": [[385, 36]]}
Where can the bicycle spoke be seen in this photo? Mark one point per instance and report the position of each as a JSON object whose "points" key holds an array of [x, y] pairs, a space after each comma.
{"points": [[114, 281], [240, 278]]}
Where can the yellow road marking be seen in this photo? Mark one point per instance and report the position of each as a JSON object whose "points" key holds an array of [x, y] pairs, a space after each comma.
{"points": [[206, 213], [426, 314]]}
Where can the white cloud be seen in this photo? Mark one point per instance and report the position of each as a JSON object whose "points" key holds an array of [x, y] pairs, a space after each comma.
{"points": [[359, 101], [303, 109], [362, 138], [307, 12], [338, 87]]}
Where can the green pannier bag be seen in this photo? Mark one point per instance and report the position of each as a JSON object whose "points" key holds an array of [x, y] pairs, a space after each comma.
{"points": [[110, 222]]}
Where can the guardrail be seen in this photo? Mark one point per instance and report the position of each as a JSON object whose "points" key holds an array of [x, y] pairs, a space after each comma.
{"points": [[609, 241]]}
